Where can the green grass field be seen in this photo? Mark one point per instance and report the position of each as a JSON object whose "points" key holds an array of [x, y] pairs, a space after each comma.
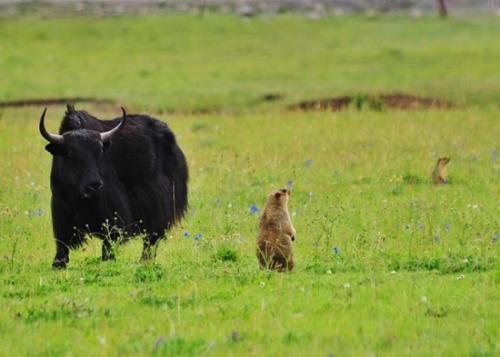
{"points": [[387, 264]]}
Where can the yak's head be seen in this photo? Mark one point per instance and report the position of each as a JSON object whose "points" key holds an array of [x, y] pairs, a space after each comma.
{"points": [[80, 152]]}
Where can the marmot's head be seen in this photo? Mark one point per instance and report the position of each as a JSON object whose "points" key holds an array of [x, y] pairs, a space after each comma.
{"points": [[443, 161], [279, 197]]}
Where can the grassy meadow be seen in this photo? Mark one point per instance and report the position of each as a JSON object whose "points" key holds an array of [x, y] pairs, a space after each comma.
{"points": [[386, 263]]}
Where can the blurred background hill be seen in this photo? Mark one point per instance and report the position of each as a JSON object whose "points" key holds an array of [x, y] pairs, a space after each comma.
{"points": [[315, 8]]}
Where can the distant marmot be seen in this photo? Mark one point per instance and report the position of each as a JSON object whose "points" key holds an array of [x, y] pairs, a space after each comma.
{"points": [[439, 175], [274, 243]]}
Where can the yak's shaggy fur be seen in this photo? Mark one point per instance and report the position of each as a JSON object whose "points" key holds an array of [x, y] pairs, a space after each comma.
{"points": [[143, 174]]}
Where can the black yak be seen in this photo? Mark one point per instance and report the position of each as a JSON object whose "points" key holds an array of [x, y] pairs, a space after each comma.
{"points": [[113, 179]]}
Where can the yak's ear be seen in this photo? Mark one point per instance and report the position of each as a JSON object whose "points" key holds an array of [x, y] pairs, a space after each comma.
{"points": [[55, 149], [106, 145]]}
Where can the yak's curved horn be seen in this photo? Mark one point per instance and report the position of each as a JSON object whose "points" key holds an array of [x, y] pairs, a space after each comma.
{"points": [[107, 135], [52, 138]]}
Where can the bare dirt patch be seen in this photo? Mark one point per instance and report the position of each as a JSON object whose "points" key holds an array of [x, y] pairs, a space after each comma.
{"points": [[52, 101], [272, 97], [375, 102]]}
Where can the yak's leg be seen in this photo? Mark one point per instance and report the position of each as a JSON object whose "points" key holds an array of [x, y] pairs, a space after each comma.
{"points": [[62, 248], [65, 234], [110, 240], [62, 256], [150, 246], [108, 252]]}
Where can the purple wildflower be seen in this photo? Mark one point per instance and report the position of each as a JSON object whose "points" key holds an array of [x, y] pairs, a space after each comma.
{"points": [[186, 234], [336, 250], [197, 237], [421, 226], [447, 227], [436, 239], [289, 184], [254, 209], [309, 162]]}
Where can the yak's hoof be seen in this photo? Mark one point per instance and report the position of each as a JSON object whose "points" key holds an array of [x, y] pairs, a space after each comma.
{"points": [[106, 258], [147, 259], [59, 264]]}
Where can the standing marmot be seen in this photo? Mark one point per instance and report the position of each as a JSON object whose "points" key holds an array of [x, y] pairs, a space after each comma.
{"points": [[439, 175], [274, 243]]}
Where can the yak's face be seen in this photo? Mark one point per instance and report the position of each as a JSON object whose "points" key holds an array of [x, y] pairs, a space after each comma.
{"points": [[80, 153], [80, 157]]}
